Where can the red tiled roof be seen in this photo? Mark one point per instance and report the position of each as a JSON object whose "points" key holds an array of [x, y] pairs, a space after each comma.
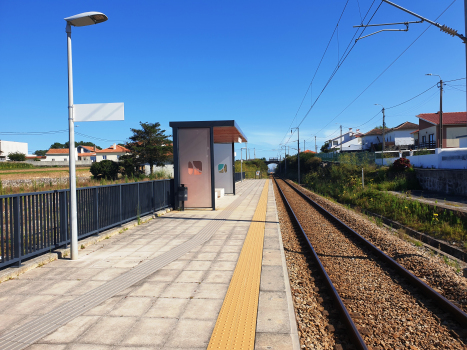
{"points": [[448, 117], [414, 132], [58, 151], [308, 151], [118, 149], [375, 131], [358, 135], [89, 148], [406, 126], [36, 157]]}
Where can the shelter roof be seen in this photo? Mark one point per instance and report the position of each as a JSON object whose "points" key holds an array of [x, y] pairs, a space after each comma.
{"points": [[225, 131]]}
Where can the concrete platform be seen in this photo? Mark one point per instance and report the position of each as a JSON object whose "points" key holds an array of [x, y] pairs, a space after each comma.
{"points": [[157, 286]]}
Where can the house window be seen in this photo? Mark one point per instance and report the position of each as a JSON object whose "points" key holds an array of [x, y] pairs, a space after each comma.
{"points": [[431, 137], [423, 139], [334, 143], [118, 157], [104, 157]]}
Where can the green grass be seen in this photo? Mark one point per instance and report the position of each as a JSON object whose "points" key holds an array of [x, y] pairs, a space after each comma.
{"points": [[13, 165], [250, 167]]}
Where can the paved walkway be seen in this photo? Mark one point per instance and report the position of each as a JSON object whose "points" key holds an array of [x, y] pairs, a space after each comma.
{"points": [[158, 286]]}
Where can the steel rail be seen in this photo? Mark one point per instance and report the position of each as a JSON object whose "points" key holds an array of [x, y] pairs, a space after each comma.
{"points": [[440, 300], [354, 333]]}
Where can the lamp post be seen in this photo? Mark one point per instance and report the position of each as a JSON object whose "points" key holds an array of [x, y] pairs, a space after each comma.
{"points": [[241, 161], [80, 20], [298, 152], [384, 126], [440, 136]]}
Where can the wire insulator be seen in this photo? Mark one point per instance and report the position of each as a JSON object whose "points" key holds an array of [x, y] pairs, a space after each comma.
{"points": [[448, 30]]}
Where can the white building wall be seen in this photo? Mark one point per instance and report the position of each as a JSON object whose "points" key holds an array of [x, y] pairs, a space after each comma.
{"points": [[446, 158], [451, 135], [8, 147]]}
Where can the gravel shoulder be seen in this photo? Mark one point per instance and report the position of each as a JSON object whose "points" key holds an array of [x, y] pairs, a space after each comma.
{"points": [[421, 263]]}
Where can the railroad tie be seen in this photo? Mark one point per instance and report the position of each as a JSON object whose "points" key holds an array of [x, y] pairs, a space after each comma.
{"points": [[236, 324]]}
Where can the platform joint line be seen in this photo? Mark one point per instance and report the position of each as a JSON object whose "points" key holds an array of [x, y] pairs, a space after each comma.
{"points": [[236, 324]]}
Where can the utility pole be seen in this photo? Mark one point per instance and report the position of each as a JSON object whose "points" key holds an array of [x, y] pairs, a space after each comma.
{"points": [[316, 147], [304, 147], [341, 139], [254, 153], [384, 134], [440, 135], [298, 153]]}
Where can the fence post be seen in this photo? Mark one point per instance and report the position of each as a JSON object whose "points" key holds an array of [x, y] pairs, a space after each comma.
{"points": [[96, 207], [17, 229], [153, 196], [63, 217], [138, 205], [120, 206]]}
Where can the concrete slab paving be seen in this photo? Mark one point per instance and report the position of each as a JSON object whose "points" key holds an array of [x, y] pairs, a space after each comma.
{"points": [[175, 307]]}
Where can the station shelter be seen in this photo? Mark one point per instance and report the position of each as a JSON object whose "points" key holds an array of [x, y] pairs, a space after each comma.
{"points": [[204, 160]]}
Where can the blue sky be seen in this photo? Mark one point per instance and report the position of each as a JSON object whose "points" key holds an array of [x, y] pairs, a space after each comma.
{"points": [[251, 61]]}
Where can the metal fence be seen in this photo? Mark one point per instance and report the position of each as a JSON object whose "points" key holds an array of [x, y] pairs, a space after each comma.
{"points": [[34, 223], [238, 176]]}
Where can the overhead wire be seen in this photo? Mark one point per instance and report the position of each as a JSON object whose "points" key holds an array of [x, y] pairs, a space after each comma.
{"points": [[384, 71]]}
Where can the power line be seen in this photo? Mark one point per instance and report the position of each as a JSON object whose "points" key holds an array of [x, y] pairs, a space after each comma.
{"points": [[413, 97], [98, 138], [316, 71], [33, 133]]}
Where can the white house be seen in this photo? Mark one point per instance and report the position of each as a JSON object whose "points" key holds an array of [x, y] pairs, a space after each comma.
{"points": [[401, 136], [7, 147], [372, 138], [336, 142], [114, 153], [58, 155]]}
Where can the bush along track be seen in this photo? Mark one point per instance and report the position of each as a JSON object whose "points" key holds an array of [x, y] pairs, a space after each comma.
{"points": [[343, 183]]}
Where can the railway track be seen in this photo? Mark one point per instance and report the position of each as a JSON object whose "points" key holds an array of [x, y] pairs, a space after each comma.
{"points": [[382, 305]]}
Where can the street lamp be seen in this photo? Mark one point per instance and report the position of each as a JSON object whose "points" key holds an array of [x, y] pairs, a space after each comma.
{"points": [[298, 152], [384, 126], [440, 136], [80, 20]]}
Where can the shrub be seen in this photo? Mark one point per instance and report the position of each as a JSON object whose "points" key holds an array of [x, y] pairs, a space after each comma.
{"points": [[106, 169], [401, 164], [17, 157]]}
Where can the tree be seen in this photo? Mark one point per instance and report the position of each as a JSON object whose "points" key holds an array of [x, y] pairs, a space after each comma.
{"points": [[40, 152], [17, 156], [58, 145], [324, 148], [149, 145], [107, 169]]}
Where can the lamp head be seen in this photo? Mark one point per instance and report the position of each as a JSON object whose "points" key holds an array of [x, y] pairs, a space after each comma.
{"points": [[86, 19], [428, 74]]}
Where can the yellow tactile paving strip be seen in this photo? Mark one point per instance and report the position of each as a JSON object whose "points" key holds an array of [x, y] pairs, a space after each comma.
{"points": [[236, 325]]}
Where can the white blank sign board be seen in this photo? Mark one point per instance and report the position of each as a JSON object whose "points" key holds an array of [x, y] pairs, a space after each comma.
{"points": [[98, 112]]}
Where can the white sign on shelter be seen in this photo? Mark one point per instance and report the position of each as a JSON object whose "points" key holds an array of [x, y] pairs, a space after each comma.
{"points": [[98, 112]]}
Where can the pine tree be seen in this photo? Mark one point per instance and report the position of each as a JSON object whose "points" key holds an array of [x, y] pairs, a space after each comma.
{"points": [[150, 145]]}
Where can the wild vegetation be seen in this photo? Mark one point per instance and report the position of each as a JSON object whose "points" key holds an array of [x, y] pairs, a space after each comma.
{"points": [[343, 183], [250, 167]]}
